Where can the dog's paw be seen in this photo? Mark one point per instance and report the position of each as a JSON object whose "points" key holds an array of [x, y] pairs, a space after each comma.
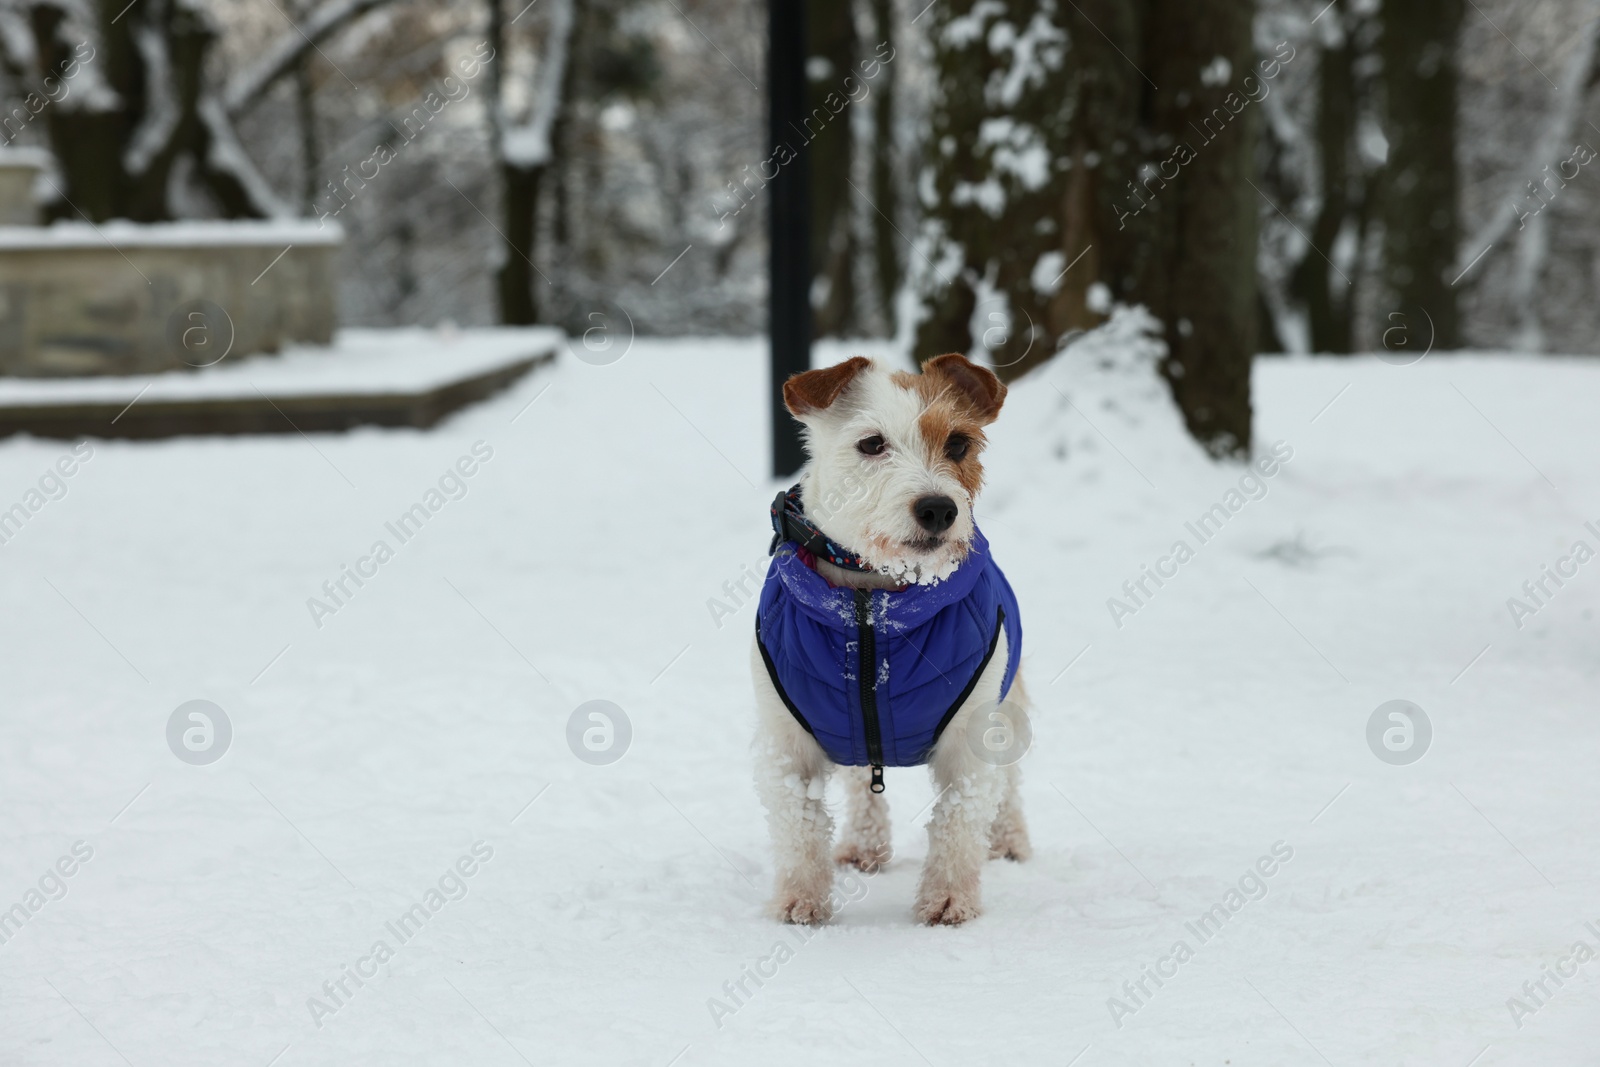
{"points": [[1012, 845], [801, 909], [946, 907], [863, 857]]}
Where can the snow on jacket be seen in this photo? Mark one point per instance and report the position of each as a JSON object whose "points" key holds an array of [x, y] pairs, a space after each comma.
{"points": [[925, 647]]}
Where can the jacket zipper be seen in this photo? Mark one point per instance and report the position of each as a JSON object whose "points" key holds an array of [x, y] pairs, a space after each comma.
{"points": [[867, 673]]}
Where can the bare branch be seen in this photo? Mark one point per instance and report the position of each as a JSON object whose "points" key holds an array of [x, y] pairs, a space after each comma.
{"points": [[249, 87]]}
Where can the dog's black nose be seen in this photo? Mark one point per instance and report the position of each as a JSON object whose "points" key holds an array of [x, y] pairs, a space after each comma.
{"points": [[936, 514]]}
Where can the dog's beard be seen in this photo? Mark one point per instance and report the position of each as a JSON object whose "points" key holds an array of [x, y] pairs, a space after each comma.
{"points": [[913, 564]]}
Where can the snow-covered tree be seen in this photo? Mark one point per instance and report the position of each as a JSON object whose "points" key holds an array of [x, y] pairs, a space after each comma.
{"points": [[998, 228], [1421, 212], [1091, 152], [141, 130]]}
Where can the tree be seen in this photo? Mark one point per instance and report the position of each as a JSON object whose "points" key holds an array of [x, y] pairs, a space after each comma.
{"points": [[999, 146], [855, 193], [1109, 143], [288, 53], [1525, 201], [611, 63], [523, 157], [1340, 182], [143, 126], [888, 271], [831, 40], [1198, 274], [119, 152], [1421, 214]]}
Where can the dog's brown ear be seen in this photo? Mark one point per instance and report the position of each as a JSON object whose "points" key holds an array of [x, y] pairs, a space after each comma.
{"points": [[816, 390], [977, 385]]}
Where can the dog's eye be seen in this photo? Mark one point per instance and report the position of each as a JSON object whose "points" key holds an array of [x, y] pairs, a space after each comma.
{"points": [[871, 446], [956, 447]]}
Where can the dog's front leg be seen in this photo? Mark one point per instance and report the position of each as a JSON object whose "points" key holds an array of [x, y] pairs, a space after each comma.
{"points": [[792, 777], [792, 783], [969, 793]]}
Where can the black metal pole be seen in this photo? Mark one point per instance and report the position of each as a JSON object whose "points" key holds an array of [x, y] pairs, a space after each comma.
{"points": [[789, 221]]}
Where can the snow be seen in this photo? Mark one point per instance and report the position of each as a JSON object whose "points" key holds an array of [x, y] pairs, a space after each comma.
{"points": [[22, 156], [987, 194], [160, 106], [962, 31], [1047, 273], [190, 233], [377, 362], [226, 154], [1217, 72], [1098, 298], [1017, 149], [528, 145], [1034, 52], [1171, 756]]}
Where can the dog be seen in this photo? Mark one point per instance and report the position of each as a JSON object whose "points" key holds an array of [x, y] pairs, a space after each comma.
{"points": [[887, 636]]}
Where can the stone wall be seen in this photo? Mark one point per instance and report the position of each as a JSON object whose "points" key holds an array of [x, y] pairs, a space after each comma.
{"points": [[17, 175], [127, 299]]}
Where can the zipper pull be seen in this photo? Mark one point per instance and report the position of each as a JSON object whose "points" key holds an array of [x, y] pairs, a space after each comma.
{"points": [[877, 778]]}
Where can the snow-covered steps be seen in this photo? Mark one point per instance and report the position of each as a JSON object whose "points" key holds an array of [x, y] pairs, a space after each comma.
{"points": [[405, 377]]}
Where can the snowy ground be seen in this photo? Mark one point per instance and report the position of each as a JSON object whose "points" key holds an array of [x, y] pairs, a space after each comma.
{"points": [[1226, 716]]}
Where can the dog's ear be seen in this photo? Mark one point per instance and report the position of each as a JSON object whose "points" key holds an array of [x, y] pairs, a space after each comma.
{"points": [[816, 390], [976, 385]]}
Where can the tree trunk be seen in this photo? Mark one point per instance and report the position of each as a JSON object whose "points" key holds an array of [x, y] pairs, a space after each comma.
{"points": [[1201, 278], [1056, 163], [887, 273], [524, 154], [310, 150], [107, 173], [1326, 296], [831, 37], [514, 279], [88, 143], [1421, 216], [993, 203]]}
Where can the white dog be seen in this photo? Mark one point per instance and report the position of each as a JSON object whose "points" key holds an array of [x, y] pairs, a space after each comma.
{"points": [[885, 629]]}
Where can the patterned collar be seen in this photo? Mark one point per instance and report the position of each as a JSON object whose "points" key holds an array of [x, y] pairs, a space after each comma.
{"points": [[789, 523]]}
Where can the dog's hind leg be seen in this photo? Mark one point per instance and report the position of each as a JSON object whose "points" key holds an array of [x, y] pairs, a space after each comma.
{"points": [[1008, 834], [791, 777], [865, 842]]}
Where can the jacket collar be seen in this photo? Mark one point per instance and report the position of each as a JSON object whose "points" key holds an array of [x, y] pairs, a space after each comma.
{"points": [[894, 611]]}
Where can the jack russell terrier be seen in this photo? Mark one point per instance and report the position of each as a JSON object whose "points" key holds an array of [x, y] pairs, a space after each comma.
{"points": [[888, 637]]}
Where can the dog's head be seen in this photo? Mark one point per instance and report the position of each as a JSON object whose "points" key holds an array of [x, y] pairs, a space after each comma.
{"points": [[895, 460]]}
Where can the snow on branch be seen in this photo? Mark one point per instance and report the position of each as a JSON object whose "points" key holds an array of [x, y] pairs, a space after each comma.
{"points": [[227, 156], [528, 144], [160, 118], [16, 43], [244, 91]]}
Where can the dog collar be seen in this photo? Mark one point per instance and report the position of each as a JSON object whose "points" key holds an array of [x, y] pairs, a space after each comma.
{"points": [[789, 523]]}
